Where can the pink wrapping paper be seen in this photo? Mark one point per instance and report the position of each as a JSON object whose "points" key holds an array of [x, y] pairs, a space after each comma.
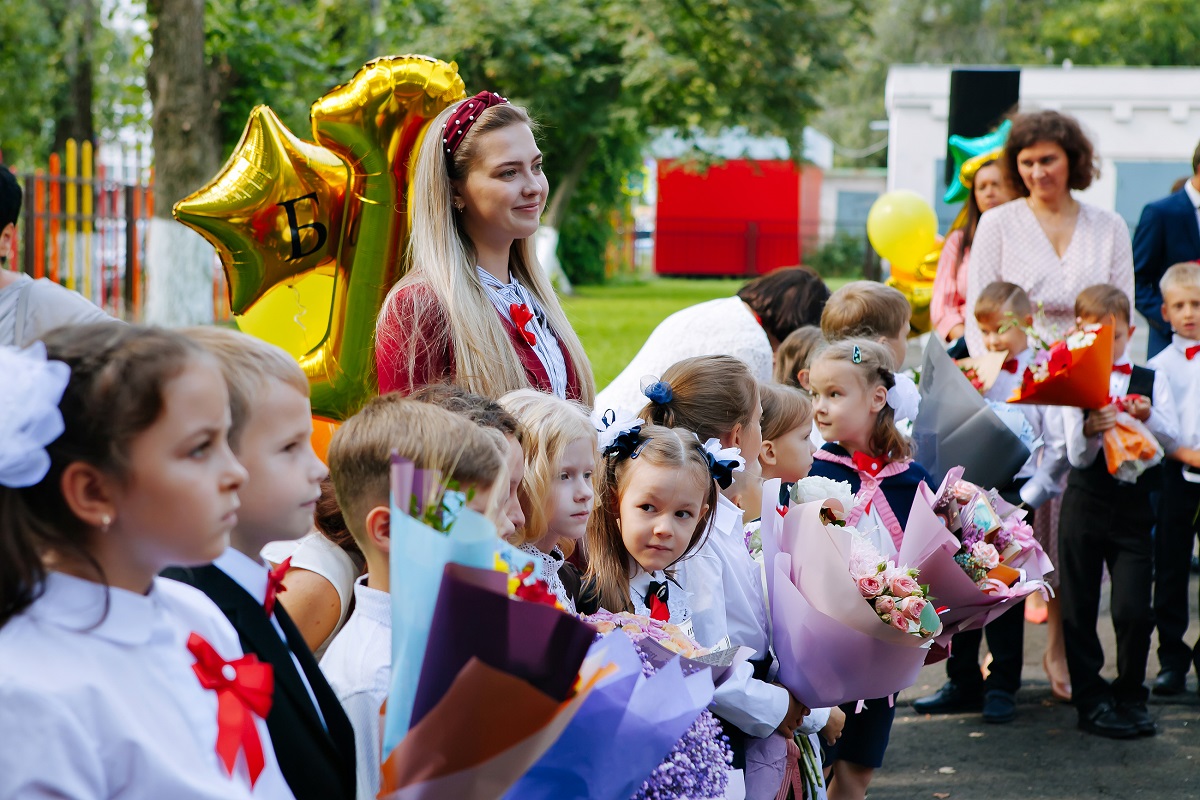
{"points": [[831, 646], [930, 547]]}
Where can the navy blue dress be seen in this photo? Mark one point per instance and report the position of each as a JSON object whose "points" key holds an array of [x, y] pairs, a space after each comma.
{"points": [[865, 737]]}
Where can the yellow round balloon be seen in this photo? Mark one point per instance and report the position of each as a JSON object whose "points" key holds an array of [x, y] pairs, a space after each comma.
{"points": [[902, 227], [293, 316]]}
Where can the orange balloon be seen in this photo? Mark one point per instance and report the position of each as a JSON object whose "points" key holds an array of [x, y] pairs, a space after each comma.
{"points": [[322, 434]]}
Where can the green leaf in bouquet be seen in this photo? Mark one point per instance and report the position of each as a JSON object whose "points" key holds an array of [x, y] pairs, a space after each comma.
{"points": [[929, 619]]}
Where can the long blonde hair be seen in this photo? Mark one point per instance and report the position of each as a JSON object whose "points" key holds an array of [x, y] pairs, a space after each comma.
{"points": [[550, 425], [454, 309], [608, 559]]}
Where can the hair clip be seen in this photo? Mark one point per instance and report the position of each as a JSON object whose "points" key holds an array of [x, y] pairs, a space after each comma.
{"points": [[656, 391], [723, 462], [617, 433], [857, 356], [32, 420]]}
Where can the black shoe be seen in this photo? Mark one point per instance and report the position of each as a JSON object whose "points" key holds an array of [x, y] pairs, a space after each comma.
{"points": [[1137, 715], [1104, 720], [1170, 682], [999, 706], [950, 699]]}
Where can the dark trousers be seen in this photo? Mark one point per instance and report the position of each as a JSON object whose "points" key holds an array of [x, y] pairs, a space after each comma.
{"points": [[1006, 640], [1172, 564], [1096, 529]]}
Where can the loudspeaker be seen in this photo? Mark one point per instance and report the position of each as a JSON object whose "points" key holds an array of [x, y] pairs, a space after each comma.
{"points": [[979, 99]]}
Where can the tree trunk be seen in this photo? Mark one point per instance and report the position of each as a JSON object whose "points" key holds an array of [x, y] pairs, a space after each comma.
{"points": [[187, 151], [560, 198], [77, 27]]}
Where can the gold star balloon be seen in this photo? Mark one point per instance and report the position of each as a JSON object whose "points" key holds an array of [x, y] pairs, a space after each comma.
{"points": [[312, 235], [274, 211]]}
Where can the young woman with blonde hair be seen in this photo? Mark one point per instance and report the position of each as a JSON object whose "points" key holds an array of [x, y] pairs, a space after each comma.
{"points": [[475, 308]]}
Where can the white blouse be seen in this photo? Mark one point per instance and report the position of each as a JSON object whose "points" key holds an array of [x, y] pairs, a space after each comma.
{"points": [[715, 327], [1011, 246], [106, 705]]}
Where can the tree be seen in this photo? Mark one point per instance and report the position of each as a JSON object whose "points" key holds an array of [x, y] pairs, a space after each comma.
{"points": [[187, 149], [602, 75]]}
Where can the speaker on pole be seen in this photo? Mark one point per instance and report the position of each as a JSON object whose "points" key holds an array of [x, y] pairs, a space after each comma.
{"points": [[979, 99]]}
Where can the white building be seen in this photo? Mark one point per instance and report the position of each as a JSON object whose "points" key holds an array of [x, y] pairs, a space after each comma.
{"points": [[1143, 121]]}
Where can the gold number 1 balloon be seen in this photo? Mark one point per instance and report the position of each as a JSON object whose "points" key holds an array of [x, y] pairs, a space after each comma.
{"points": [[283, 210]]}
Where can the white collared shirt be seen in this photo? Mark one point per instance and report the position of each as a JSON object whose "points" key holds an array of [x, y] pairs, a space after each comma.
{"points": [[1163, 422], [1194, 195], [98, 698], [1047, 464], [358, 666], [728, 600], [252, 576], [678, 598], [1183, 376]]}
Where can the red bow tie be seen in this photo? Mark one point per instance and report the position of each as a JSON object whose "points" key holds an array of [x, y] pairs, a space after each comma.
{"points": [[521, 316], [1124, 369], [656, 601], [869, 464], [1191, 351], [275, 584], [244, 690], [1011, 366]]}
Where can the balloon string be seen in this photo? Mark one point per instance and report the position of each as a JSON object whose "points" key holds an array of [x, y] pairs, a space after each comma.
{"points": [[302, 312]]}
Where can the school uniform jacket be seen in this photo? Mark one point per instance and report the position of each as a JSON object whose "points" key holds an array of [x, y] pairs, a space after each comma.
{"points": [[900, 490], [435, 355], [318, 764]]}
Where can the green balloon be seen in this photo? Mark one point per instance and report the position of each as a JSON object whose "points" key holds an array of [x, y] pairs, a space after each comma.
{"points": [[963, 150]]}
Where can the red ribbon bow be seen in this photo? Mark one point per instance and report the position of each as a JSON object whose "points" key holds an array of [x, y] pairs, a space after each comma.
{"points": [[869, 464], [1124, 369], [244, 690], [1011, 366], [1191, 351], [275, 584], [521, 316]]}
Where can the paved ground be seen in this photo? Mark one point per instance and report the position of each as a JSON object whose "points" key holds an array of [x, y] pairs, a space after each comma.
{"points": [[1041, 754]]}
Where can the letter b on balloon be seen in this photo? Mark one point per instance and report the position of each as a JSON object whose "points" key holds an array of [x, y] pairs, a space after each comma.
{"points": [[902, 228]]}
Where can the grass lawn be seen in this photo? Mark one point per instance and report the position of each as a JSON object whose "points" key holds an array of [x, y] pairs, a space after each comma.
{"points": [[614, 321]]}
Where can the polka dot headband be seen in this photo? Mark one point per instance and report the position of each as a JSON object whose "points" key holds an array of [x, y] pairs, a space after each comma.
{"points": [[455, 129]]}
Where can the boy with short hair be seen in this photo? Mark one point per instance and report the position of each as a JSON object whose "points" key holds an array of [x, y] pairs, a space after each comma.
{"points": [[1106, 522], [1004, 312], [271, 434], [1180, 496], [869, 310], [359, 661]]}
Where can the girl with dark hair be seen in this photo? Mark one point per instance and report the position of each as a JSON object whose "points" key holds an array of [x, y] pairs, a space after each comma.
{"points": [[115, 682]]}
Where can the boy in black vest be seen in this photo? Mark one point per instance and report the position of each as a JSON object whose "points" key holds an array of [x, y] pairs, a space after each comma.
{"points": [[1107, 522]]}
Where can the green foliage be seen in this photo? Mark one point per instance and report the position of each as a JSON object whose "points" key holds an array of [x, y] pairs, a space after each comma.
{"points": [[602, 75], [842, 256], [29, 81]]}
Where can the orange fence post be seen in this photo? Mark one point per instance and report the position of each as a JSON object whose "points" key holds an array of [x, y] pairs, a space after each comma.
{"points": [[55, 212], [87, 197], [39, 226]]}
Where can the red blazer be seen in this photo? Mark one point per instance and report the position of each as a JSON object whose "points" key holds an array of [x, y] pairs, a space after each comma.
{"points": [[435, 359]]}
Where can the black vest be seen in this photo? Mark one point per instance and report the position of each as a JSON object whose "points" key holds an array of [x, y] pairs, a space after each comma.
{"points": [[1095, 479]]}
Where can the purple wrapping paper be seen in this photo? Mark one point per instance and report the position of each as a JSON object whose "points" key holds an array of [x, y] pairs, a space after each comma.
{"points": [[475, 618], [624, 729], [831, 646]]}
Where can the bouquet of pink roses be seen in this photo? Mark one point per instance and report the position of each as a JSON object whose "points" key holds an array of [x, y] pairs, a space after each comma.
{"points": [[892, 591], [833, 632]]}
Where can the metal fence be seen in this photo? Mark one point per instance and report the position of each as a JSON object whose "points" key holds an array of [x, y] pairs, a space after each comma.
{"points": [[84, 222]]}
